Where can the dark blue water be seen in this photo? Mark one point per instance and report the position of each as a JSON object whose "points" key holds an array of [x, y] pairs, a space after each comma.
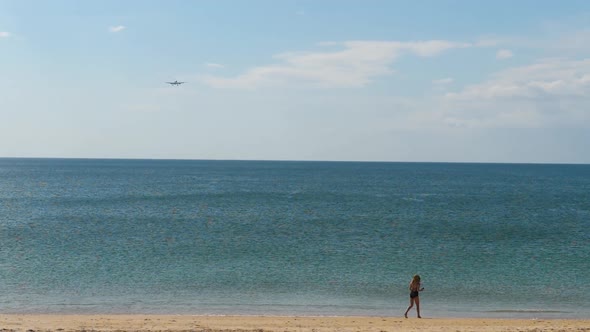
{"points": [[247, 237]]}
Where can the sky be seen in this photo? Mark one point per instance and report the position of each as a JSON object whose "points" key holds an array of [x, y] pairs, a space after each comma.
{"points": [[338, 80]]}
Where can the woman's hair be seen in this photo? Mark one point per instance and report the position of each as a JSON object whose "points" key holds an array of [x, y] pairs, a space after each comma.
{"points": [[414, 284]]}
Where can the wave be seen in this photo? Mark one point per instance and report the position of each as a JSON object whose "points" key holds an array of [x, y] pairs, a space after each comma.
{"points": [[528, 311]]}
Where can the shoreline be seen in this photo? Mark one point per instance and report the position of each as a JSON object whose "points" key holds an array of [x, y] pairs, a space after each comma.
{"points": [[210, 323]]}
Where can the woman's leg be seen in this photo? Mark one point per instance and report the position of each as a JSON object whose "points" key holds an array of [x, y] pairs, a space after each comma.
{"points": [[410, 307], [417, 300]]}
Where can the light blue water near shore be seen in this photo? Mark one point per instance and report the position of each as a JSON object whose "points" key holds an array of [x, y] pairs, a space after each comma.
{"points": [[232, 237]]}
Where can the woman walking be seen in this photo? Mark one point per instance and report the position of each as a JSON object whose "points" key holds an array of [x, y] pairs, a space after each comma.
{"points": [[415, 289]]}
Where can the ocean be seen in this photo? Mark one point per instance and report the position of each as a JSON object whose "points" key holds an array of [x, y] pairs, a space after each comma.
{"points": [[294, 238]]}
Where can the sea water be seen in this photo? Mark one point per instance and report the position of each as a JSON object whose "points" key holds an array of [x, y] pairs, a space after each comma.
{"points": [[295, 238]]}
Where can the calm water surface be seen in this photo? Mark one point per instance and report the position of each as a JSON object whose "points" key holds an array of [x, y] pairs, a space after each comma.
{"points": [[247, 237]]}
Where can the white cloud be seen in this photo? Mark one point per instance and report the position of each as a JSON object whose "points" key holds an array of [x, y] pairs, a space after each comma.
{"points": [[556, 77], [214, 65], [561, 41], [489, 41], [443, 81], [117, 28], [551, 92], [352, 64], [574, 40], [4, 34], [504, 54]]}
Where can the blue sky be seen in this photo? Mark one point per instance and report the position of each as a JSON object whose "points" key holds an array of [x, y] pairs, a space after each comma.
{"points": [[451, 81]]}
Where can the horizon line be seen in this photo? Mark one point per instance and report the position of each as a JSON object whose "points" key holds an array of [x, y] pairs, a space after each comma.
{"points": [[300, 160]]}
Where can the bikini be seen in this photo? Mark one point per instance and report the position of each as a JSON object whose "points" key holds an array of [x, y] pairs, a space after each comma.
{"points": [[414, 293]]}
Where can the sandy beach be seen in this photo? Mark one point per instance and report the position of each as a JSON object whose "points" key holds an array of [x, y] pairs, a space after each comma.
{"points": [[170, 323]]}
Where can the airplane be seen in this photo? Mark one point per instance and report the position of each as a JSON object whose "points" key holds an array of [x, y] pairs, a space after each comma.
{"points": [[175, 83]]}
